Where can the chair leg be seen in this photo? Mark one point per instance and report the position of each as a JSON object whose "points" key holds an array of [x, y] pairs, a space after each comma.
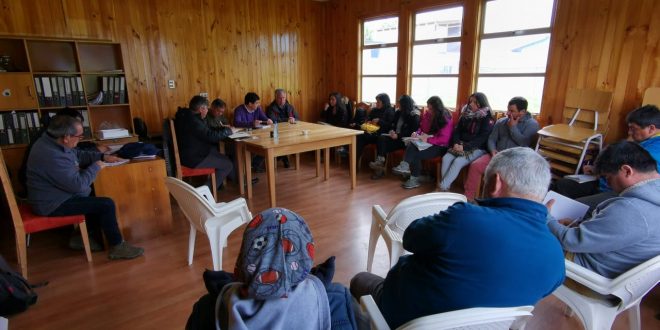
{"points": [[191, 244], [216, 249], [21, 253], [214, 187], [396, 250], [85, 238], [373, 240]]}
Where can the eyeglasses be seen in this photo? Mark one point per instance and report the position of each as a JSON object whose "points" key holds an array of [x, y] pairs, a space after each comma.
{"points": [[78, 136]]}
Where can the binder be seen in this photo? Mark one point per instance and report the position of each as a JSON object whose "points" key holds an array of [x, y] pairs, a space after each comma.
{"points": [[67, 91], [111, 90], [40, 94], [60, 88], [56, 92], [116, 90], [23, 132], [104, 89], [35, 118], [81, 93], [87, 131], [122, 90], [4, 138], [48, 94]]}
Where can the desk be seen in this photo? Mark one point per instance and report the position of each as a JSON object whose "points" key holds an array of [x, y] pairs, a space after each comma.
{"points": [[142, 200], [292, 141]]}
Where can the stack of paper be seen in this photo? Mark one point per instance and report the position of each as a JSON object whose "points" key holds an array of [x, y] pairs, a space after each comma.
{"points": [[113, 133]]}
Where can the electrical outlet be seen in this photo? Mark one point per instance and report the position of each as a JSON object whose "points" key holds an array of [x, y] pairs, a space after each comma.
{"points": [[204, 94], [170, 83]]}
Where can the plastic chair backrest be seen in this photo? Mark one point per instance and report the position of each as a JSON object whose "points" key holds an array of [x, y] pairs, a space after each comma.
{"points": [[472, 318], [637, 282], [194, 205], [415, 207]]}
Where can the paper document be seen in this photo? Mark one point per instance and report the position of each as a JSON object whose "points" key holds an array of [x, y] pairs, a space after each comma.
{"points": [[145, 157], [238, 135], [582, 178], [565, 208], [121, 162], [421, 145]]}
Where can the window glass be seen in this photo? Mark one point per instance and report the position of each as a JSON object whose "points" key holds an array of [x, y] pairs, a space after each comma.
{"points": [[379, 61], [372, 86], [512, 15], [438, 24], [381, 31], [425, 87], [500, 90], [524, 54], [440, 58]]}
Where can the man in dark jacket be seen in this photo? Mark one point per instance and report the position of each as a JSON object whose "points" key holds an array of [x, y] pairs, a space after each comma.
{"points": [[497, 254], [198, 144], [281, 111]]}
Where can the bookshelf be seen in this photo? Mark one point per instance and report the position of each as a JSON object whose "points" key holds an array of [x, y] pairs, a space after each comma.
{"points": [[45, 75]]}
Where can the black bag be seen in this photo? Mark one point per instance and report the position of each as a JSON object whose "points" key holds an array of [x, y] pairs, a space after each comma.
{"points": [[16, 294]]}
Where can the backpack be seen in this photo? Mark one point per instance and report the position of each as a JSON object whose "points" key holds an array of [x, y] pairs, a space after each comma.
{"points": [[16, 294]]}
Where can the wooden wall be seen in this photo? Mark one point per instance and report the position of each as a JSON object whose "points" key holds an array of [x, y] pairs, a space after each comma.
{"points": [[605, 44], [225, 48]]}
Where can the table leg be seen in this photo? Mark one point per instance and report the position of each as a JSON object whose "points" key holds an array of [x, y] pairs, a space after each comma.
{"points": [[318, 162], [240, 162], [297, 161], [270, 172], [248, 171], [352, 167], [326, 164]]}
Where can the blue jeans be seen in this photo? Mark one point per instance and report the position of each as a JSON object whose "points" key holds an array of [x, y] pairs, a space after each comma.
{"points": [[98, 211]]}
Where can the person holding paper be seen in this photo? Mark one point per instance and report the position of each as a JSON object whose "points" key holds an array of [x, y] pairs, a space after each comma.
{"points": [[623, 231], [468, 140], [514, 130], [59, 177], [216, 115], [198, 144], [435, 129], [406, 122], [249, 114], [643, 128], [495, 254]]}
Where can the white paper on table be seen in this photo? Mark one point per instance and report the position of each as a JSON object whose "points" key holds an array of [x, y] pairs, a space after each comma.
{"points": [[565, 208]]}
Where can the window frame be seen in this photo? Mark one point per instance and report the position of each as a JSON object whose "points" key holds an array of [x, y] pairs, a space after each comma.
{"points": [[362, 47]]}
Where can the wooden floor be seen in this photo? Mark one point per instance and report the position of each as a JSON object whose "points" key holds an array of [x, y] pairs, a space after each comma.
{"points": [[158, 290]]}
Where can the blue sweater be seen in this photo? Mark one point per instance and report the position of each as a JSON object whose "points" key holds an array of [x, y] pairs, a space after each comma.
{"points": [[499, 254]]}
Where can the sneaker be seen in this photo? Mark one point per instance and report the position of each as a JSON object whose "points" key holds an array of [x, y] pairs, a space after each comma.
{"points": [[378, 164], [402, 169], [124, 250], [377, 174], [413, 182], [76, 243]]}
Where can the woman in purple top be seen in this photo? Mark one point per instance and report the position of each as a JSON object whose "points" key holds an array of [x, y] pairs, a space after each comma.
{"points": [[435, 129]]}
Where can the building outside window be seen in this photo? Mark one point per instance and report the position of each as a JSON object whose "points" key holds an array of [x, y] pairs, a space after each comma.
{"points": [[513, 51], [379, 57]]}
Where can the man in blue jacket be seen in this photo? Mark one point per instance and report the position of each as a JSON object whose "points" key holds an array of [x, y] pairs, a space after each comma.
{"points": [[623, 231], [497, 254]]}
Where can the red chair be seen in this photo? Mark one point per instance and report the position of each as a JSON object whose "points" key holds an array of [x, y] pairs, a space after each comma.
{"points": [[186, 172], [26, 222]]}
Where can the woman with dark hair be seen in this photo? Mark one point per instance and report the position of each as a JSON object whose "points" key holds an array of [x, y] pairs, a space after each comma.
{"points": [[430, 140], [382, 116], [335, 112], [406, 122], [469, 138]]}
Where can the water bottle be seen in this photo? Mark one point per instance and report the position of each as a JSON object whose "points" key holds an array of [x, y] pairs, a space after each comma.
{"points": [[276, 134]]}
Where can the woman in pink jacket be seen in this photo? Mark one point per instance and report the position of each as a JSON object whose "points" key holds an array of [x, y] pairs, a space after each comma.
{"points": [[430, 141]]}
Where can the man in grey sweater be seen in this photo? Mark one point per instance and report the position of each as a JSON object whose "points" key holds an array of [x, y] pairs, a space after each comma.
{"points": [[623, 231], [514, 130]]}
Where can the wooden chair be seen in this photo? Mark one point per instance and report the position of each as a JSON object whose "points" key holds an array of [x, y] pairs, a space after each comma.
{"points": [[26, 222], [183, 171], [565, 145]]}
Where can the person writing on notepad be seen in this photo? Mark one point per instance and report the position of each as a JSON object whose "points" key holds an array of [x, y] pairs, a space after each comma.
{"points": [[59, 178], [623, 231]]}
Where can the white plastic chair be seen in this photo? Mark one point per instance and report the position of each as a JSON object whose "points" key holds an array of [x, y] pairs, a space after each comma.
{"points": [[217, 220], [464, 319], [599, 313], [392, 225]]}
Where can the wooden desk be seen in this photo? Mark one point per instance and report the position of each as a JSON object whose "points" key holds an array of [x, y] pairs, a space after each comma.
{"points": [[142, 200], [292, 141]]}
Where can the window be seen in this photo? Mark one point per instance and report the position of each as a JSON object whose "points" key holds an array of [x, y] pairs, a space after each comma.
{"points": [[379, 57], [436, 54], [513, 52]]}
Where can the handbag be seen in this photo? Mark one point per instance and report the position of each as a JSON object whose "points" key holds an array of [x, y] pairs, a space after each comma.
{"points": [[16, 294]]}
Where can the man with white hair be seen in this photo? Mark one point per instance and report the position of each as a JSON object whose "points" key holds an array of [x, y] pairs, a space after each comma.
{"points": [[499, 253]]}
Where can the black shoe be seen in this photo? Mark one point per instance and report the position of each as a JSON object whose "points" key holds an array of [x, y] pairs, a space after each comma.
{"points": [[285, 160]]}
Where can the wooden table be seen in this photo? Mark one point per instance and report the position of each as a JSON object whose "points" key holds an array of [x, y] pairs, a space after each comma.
{"points": [[292, 141], [142, 200]]}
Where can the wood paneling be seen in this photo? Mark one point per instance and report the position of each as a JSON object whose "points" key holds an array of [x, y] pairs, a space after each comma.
{"points": [[225, 48], [604, 44]]}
